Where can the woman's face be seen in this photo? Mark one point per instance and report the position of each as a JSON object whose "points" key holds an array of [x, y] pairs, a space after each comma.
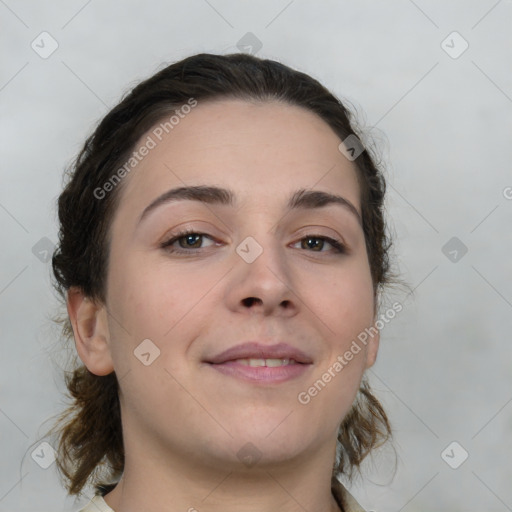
{"points": [[255, 282]]}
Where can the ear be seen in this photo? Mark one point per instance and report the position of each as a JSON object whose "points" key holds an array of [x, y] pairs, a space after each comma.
{"points": [[372, 347], [91, 332]]}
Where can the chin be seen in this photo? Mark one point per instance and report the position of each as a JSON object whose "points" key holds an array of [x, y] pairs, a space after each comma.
{"points": [[270, 444], [246, 454]]}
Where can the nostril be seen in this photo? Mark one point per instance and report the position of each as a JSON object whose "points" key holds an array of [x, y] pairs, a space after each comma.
{"points": [[249, 301]]}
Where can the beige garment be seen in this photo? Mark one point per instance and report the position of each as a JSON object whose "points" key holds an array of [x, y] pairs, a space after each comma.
{"points": [[98, 504], [350, 503]]}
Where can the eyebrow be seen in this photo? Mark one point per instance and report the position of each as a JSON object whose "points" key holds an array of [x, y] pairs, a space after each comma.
{"points": [[301, 199]]}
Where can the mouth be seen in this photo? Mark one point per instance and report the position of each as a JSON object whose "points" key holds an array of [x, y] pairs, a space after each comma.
{"points": [[269, 363], [259, 363]]}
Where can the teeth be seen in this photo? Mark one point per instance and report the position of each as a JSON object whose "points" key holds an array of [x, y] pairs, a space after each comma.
{"points": [[256, 362], [271, 363], [277, 362]]}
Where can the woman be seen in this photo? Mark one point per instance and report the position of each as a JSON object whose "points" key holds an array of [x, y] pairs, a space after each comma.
{"points": [[222, 251]]}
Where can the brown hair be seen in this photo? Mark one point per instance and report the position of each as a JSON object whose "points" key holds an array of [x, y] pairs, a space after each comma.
{"points": [[89, 430]]}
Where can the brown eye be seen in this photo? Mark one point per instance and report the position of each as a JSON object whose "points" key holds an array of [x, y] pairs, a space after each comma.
{"points": [[312, 243], [317, 243], [188, 242]]}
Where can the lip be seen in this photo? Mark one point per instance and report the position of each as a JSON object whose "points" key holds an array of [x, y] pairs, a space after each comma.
{"points": [[257, 350], [227, 364]]}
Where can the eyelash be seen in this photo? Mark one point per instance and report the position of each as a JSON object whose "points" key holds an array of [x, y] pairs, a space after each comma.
{"points": [[167, 245]]}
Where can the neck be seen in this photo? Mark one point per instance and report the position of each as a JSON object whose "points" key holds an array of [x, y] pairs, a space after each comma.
{"points": [[155, 482]]}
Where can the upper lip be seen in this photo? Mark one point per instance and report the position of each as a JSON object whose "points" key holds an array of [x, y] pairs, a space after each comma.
{"points": [[257, 350]]}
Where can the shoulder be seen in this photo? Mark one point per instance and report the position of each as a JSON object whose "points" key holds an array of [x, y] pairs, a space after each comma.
{"points": [[97, 504]]}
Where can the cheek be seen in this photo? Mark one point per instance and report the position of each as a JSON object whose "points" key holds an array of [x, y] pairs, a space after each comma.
{"points": [[151, 302], [156, 301], [345, 302], [152, 298], [346, 312]]}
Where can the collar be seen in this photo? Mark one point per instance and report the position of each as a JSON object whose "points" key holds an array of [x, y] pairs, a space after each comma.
{"points": [[345, 500]]}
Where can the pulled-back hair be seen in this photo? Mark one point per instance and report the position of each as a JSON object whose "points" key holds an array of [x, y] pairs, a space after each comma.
{"points": [[90, 442]]}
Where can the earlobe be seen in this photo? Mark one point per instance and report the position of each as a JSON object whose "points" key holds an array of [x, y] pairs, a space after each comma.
{"points": [[91, 332]]}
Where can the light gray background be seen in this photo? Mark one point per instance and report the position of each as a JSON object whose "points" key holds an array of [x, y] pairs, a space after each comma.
{"points": [[444, 128]]}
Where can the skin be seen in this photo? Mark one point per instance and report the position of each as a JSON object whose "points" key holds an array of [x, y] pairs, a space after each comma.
{"points": [[183, 422]]}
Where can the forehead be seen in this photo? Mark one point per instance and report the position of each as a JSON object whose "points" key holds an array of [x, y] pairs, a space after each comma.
{"points": [[264, 151]]}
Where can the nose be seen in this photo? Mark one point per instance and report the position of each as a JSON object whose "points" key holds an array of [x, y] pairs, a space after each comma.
{"points": [[264, 285]]}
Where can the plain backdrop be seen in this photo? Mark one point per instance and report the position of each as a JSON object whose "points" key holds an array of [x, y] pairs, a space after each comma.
{"points": [[429, 80]]}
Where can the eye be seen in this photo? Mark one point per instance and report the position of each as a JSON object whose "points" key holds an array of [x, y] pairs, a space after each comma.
{"points": [[316, 243], [188, 241]]}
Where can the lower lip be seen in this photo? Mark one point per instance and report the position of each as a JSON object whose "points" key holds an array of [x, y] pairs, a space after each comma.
{"points": [[266, 374]]}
